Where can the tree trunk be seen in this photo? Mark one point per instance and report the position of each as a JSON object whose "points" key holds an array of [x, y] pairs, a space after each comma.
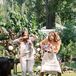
{"points": [[50, 22], [50, 14]]}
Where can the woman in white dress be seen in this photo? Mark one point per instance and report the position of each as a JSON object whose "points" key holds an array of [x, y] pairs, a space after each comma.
{"points": [[50, 47], [26, 53]]}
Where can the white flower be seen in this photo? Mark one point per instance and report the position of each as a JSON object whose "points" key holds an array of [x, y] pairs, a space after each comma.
{"points": [[37, 44], [10, 47], [17, 56], [38, 49], [39, 67]]}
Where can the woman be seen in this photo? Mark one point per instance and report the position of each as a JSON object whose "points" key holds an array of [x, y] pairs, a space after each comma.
{"points": [[26, 53], [50, 47]]}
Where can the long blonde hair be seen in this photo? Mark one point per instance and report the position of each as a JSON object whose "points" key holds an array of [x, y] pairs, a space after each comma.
{"points": [[55, 35]]}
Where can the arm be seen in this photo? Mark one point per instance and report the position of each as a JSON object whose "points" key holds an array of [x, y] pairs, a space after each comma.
{"points": [[34, 52], [18, 40], [42, 43]]}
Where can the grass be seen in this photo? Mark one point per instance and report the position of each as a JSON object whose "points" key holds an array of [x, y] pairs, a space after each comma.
{"points": [[68, 73]]}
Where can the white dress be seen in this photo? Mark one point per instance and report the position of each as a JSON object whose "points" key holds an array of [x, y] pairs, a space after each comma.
{"points": [[50, 63]]}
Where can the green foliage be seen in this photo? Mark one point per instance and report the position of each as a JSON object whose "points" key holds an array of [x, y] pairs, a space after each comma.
{"points": [[32, 13], [1, 48], [67, 51], [16, 21], [3, 37], [66, 10], [1, 18], [68, 37], [69, 33]]}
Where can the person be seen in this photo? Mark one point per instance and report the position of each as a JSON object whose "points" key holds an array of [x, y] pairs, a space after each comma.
{"points": [[26, 53], [50, 47]]}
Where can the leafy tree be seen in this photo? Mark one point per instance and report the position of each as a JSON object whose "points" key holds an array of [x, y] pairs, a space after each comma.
{"points": [[69, 33], [68, 51], [66, 10]]}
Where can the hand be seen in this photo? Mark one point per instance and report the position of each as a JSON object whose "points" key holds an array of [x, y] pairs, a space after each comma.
{"points": [[20, 39]]}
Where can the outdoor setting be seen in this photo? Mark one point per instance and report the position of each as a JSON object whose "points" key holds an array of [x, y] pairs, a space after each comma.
{"points": [[37, 37]]}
